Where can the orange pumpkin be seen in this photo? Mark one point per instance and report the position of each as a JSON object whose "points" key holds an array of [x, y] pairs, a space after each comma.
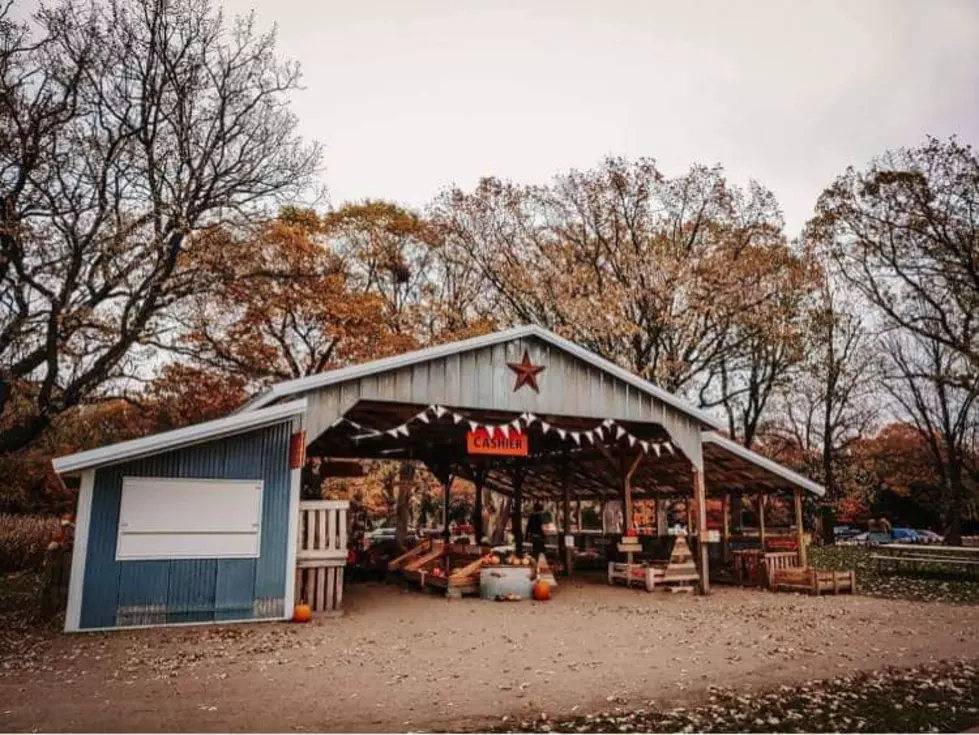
{"points": [[542, 590], [494, 559], [302, 614]]}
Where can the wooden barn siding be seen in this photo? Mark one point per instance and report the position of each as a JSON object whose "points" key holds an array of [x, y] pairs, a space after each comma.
{"points": [[480, 379], [192, 590]]}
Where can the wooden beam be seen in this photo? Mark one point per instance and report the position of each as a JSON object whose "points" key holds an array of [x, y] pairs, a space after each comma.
{"points": [[761, 520], [700, 499], [568, 555], [800, 532], [726, 509], [479, 473], [516, 517]]}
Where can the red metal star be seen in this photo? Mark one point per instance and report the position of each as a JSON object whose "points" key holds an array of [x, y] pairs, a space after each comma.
{"points": [[526, 373]]}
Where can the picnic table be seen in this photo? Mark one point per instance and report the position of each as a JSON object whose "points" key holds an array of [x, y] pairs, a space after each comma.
{"points": [[914, 556]]}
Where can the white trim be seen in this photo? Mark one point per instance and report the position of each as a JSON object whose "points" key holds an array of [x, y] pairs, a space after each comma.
{"points": [[764, 462], [240, 621], [228, 426], [293, 534], [321, 380], [76, 582]]}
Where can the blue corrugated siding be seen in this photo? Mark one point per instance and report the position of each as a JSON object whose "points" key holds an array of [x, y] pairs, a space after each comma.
{"points": [[192, 590]]}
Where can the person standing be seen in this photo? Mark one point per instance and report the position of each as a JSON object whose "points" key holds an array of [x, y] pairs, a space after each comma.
{"points": [[535, 529]]}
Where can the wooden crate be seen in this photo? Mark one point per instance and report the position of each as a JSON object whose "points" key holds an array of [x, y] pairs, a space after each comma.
{"points": [[814, 581], [459, 565]]}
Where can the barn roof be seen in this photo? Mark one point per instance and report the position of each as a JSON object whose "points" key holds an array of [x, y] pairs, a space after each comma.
{"points": [[375, 367], [168, 440]]}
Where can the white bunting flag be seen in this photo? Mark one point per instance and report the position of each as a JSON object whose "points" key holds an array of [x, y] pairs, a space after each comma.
{"points": [[354, 424], [589, 436], [530, 418], [392, 432], [645, 446], [403, 429], [576, 436], [545, 427], [473, 426], [456, 418], [619, 431], [515, 424], [632, 440], [505, 430], [440, 411], [669, 448], [656, 447], [423, 416], [562, 433], [607, 422]]}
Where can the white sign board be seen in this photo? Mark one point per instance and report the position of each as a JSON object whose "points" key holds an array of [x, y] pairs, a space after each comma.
{"points": [[170, 518]]}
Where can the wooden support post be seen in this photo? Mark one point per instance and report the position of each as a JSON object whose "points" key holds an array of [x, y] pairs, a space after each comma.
{"points": [[700, 500], [566, 523], [480, 478], [800, 532], [662, 517], [443, 473], [761, 520], [726, 550], [516, 518]]}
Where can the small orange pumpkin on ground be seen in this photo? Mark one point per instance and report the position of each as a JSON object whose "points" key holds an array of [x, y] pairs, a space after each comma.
{"points": [[303, 613], [542, 590]]}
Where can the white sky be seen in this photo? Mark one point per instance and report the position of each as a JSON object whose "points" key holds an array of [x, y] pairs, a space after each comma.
{"points": [[409, 96]]}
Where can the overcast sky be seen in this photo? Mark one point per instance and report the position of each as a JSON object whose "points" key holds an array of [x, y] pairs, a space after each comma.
{"points": [[409, 96]]}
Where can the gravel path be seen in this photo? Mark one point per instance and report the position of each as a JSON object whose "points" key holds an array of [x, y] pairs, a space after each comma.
{"points": [[410, 661]]}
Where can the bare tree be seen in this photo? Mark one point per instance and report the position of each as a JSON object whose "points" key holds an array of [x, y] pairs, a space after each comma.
{"points": [[128, 131], [905, 235], [931, 387]]}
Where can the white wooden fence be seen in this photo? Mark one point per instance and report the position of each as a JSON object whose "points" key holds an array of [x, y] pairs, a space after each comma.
{"points": [[322, 553]]}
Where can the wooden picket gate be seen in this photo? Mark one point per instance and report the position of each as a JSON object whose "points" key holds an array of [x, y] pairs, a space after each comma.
{"points": [[322, 553]]}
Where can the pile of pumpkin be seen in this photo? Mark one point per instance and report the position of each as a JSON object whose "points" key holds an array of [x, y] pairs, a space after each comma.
{"points": [[494, 560]]}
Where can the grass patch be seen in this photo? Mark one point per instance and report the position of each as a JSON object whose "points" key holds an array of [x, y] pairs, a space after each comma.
{"points": [[932, 587], [23, 540], [938, 698]]}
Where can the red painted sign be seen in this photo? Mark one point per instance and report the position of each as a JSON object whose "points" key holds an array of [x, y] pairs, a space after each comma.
{"points": [[516, 444], [297, 450]]}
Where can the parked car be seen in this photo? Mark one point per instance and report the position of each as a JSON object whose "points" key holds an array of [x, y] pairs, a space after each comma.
{"points": [[859, 539], [905, 536], [388, 533], [929, 537], [842, 533]]}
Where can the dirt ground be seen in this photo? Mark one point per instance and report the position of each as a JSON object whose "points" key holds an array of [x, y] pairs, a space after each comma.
{"points": [[411, 661]]}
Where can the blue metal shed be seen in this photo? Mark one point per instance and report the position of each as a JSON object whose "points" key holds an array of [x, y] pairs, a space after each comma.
{"points": [[140, 571]]}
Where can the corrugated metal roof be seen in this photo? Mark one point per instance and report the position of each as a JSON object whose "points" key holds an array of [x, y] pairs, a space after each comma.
{"points": [[228, 426], [357, 372], [764, 462]]}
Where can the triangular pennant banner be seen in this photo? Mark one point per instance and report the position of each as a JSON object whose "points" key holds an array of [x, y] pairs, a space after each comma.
{"points": [[577, 437], [456, 418], [657, 447], [473, 426], [423, 416], [590, 436], [392, 432], [515, 424], [644, 445], [354, 424], [530, 418], [403, 429], [440, 411], [562, 433], [607, 422], [669, 448], [505, 430], [632, 440], [619, 431], [546, 427]]}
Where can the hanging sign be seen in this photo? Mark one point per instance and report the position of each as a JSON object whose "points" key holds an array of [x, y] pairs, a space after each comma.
{"points": [[513, 444]]}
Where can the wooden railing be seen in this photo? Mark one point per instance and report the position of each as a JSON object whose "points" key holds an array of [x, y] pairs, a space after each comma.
{"points": [[322, 553]]}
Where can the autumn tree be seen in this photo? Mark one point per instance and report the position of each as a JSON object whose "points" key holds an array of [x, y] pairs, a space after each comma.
{"points": [[687, 281], [129, 130], [283, 305]]}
